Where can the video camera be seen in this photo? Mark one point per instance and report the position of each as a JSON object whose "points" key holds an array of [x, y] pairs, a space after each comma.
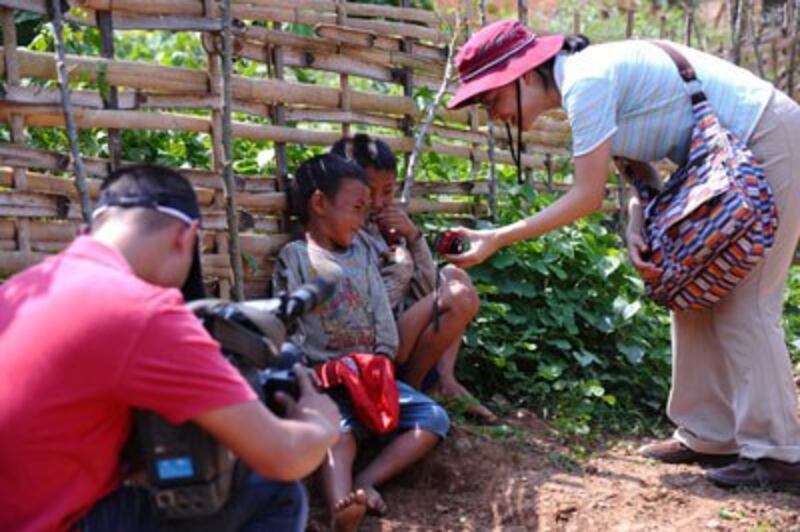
{"points": [[189, 473]]}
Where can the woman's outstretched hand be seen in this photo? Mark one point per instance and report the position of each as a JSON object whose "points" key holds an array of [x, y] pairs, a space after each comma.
{"points": [[482, 245], [637, 247]]}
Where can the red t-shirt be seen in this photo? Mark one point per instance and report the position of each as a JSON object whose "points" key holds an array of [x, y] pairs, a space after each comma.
{"points": [[82, 342]]}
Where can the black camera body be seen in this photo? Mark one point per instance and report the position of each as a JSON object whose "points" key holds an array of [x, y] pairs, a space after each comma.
{"points": [[188, 472]]}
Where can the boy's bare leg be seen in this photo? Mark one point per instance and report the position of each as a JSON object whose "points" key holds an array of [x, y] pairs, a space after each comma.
{"points": [[400, 453], [449, 387], [458, 304], [346, 507]]}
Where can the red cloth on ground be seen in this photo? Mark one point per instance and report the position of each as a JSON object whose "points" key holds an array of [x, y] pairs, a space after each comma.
{"points": [[370, 383], [82, 342]]}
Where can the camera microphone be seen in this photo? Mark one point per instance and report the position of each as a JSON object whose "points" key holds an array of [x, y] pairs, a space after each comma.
{"points": [[307, 298]]}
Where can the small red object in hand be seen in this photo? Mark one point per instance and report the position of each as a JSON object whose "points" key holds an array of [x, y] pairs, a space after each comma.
{"points": [[450, 243]]}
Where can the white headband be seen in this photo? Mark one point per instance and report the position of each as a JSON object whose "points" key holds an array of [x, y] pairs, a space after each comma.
{"points": [[169, 211]]}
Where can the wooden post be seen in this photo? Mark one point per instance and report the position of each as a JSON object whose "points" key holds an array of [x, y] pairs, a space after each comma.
{"points": [[279, 119], [69, 117], [109, 93], [758, 29], [212, 44], [794, 48], [688, 23], [232, 214], [490, 145], [12, 79], [17, 123], [737, 16], [407, 46], [522, 11], [344, 79]]}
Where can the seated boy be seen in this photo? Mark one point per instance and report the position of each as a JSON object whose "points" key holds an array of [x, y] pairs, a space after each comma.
{"points": [[331, 197], [426, 356]]}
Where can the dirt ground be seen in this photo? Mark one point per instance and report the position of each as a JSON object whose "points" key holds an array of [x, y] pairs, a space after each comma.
{"points": [[518, 477]]}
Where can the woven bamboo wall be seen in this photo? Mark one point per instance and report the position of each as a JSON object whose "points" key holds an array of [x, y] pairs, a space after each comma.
{"points": [[401, 47]]}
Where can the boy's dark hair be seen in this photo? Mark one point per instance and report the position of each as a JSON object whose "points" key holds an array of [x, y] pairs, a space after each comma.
{"points": [[324, 173], [572, 44], [127, 186], [367, 152]]}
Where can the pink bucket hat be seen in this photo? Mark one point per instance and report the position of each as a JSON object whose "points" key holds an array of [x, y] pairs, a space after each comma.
{"points": [[497, 55]]}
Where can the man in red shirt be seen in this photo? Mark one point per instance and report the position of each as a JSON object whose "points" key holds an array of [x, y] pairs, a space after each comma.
{"points": [[100, 329]]}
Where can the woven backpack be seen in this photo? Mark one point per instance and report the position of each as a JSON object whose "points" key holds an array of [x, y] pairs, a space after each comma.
{"points": [[715, 217]]}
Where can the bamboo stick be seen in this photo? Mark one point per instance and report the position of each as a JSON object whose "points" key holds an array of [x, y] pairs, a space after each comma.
{"points": [[227, 166], [111, 100], [41, 231], [192, 82], [184, 80], [411, 167], [20, 156], [547, 135], [361, 10], [125, 21], [358, 63], [362, 44], [161, 121], [41, 183], [336, 38], [335, 115], [25, 204], [407, 14], [312, 18], [69, 119]]}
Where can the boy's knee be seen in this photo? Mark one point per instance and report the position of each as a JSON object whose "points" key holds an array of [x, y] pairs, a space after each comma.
{"points": [[461, 295]]}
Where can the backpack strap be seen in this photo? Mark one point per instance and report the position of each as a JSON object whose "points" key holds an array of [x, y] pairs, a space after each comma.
{"points": [[685, 70]]}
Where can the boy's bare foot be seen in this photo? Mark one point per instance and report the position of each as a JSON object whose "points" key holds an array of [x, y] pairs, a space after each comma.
{"points": [[456, 391], [375, 503], [349, 511]]}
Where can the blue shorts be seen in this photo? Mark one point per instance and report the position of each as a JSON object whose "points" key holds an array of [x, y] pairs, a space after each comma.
{"points": [[417, 411], [430, 379]]}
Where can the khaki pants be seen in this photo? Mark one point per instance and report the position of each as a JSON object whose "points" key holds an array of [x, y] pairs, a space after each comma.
{"points": [[732, 387]]}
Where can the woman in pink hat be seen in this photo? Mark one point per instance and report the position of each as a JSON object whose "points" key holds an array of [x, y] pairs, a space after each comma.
{"points": [[733, 397]]}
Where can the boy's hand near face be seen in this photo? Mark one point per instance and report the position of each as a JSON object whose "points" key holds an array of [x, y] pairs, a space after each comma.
{"points": [[394, 218]]}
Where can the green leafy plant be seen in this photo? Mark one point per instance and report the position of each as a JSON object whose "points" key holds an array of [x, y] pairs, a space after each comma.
{"points": [[564, 328]]}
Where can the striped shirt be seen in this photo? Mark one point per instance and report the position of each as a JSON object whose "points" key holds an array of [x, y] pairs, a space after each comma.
{"points": [[631, 92]]}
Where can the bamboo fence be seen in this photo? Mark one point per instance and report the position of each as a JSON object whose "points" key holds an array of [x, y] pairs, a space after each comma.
{"points": [[245, 216]]}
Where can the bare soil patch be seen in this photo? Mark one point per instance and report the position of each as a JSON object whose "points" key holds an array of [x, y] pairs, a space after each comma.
{"points": [[521, 478]]}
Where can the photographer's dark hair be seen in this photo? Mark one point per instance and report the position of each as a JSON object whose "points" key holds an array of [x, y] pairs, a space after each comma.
{"points": [[572, 44], [144, 180], [324, 173], [367, 152], [149, 180]]}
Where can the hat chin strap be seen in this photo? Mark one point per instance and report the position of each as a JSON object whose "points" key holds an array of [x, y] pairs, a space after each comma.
{"points": [[516, 156]]}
